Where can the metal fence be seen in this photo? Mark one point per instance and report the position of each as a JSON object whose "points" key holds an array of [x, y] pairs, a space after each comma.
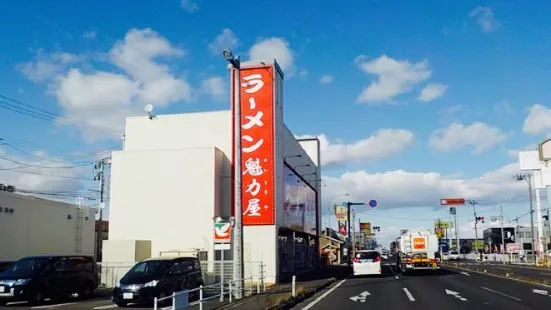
{"points": [[213, 271], [509, 259], [211, 296]]}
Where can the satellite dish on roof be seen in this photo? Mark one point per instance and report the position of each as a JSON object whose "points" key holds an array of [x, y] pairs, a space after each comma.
{"points": [[149, 108]]}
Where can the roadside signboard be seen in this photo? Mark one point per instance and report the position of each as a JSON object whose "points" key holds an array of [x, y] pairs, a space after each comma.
{"points": [[452, 201], [222, 232]]}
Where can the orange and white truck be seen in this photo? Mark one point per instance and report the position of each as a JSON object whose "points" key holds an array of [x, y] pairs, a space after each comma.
{"points": [[417, 251]]}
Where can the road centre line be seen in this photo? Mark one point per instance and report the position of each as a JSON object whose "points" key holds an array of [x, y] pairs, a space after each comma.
{"points": [[310, 305], [408, 294], [500, 293], [111, 306], [54, 306]]}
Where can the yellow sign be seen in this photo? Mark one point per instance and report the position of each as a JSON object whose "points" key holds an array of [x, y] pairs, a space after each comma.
{"points": [[443, 224], [366, 228], [340, 213]]}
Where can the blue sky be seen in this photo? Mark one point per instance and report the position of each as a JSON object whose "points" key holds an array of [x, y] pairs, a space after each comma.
{"points": [[362, 67]]}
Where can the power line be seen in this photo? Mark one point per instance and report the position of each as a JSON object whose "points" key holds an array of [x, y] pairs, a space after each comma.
{"points": [[22, 108], [42, 166], [51, 175]]}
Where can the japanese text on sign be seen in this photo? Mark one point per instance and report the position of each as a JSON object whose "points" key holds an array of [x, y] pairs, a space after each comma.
{"points": [[257, 150]]}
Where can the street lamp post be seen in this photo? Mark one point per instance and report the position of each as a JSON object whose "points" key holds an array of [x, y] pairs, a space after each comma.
{"points": [[329, 206], [348, 207], [238, 224]]}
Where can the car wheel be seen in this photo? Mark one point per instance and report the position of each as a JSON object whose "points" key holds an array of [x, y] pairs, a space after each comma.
{"points": [[87, 291], [37, 298]]}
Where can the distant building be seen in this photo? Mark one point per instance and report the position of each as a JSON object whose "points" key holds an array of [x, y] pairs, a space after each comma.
{"points": [[34, 226]]}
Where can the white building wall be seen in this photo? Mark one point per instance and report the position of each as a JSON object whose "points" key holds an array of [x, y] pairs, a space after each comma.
{"points": [[166, 196], [41, 227]]}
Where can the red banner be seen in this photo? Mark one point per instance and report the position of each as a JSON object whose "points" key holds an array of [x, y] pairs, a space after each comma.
{"points": [[257, 146]]}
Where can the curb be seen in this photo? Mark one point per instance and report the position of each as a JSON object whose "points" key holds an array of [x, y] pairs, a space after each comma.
{"points": [[500, 276], [297, 300]]}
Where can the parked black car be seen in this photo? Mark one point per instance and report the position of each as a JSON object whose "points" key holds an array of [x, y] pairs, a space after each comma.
{"points": [[36, 278], [157, 277], [5, 265]]}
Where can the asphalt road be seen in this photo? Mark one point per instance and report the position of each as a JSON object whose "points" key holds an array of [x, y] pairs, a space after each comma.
{"points": [[447, 289], [94, 304], [524, 271]]}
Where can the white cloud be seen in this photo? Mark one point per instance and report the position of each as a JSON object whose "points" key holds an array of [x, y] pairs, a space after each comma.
{"points": [[394, 77], [303, 73], [478, 135], [226, 39], [277, 48], [46, 66], [46, 174], [484, 16], [402, 189], [382, 144], [215, 86], [538, 120], [432, 91], [190, 5], [326, 79], [103, 99]]}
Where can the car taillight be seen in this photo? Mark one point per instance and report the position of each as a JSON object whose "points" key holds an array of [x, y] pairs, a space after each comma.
{"points": [[356, 260], [377, 259], [408, 260]]}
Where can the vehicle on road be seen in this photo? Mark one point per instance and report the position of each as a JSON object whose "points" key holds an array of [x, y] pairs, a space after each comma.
{"points": [[417, 252], [157, 277], [367, 262], [453, 255], [34, 279], [5, 265]]}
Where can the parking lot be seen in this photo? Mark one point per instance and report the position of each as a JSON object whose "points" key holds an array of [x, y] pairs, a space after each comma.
{"points": [[93, 304]]}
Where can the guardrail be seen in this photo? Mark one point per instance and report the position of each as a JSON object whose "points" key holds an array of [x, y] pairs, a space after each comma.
{"points": [[180, 300], [544, 260]]}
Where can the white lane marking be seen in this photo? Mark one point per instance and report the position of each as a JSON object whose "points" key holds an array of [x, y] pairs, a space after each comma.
{"points": [[455, 294], [500, 293], [16, 303], [394, 273], [397, 278], [408, 294], [54, 306], [546, 273], [541, 292], [106, 307], [310, 305], [465, 273]]}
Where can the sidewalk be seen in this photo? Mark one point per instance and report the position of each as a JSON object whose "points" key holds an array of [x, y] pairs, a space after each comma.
{"points": [[306, 285]]}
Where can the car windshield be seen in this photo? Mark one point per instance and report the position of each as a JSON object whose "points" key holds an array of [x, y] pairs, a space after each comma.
{"points": [[149, 268], [28, 266]]}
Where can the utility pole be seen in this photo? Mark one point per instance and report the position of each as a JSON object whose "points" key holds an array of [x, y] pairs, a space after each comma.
{"points": [[473, 203], [100, 176], [353, 233], [548, 226], [455, 229], [238, 217], [502, 233], [528, 178]]}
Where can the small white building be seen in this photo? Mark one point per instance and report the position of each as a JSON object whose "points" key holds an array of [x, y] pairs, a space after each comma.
{"points": [[174, 175], [34, 226]]}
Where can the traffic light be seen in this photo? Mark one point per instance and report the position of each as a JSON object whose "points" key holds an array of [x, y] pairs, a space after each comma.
{"points": [[546, 217], [480, 219]]}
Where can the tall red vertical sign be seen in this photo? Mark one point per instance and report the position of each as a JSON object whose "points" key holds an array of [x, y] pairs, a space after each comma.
{"points": [[257, 145]]}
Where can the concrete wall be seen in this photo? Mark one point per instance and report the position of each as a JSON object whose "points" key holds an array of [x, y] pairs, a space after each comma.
{"points": [[166, 196], [38, 227]]}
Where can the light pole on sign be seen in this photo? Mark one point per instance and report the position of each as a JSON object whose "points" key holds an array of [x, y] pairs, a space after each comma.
{"points": [[238, 228]]}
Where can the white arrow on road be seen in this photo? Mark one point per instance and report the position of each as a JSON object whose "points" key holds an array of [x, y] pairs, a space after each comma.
{"points": [[360, 297], [541, 292], [464, 273], [456, 295]]}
